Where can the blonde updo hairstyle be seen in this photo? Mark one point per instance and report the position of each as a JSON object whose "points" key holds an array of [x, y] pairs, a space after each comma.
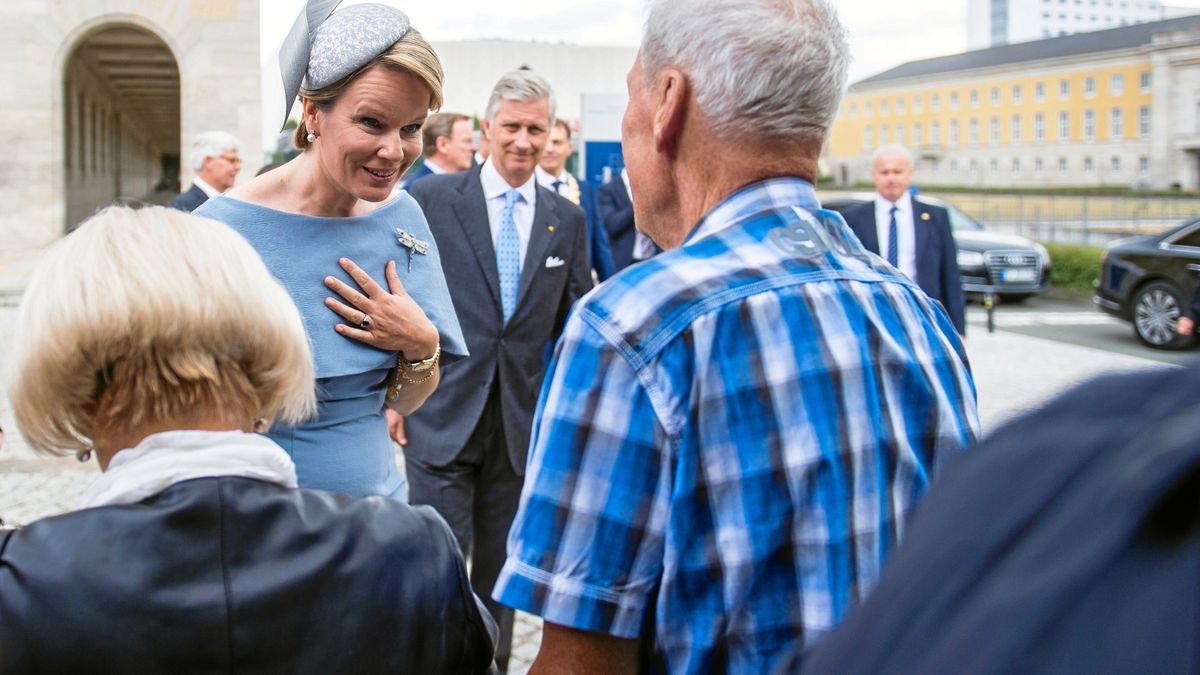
{"points": [[154, 316], [410, 54]]}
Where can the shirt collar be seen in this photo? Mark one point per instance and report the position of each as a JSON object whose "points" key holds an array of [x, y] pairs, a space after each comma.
{"points": [[765, 195], [904, 203], [495, 186], [546, 178], [203, 185], [434, 166]]}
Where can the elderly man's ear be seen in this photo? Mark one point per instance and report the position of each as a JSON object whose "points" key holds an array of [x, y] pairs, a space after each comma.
{"points": [[671, 99]]}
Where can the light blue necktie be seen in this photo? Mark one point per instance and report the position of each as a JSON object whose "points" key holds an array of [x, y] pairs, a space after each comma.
{"points": [[893, 252], [508, 256]]}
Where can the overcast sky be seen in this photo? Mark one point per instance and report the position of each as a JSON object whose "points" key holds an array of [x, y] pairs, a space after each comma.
{"points": [[882, 34]]}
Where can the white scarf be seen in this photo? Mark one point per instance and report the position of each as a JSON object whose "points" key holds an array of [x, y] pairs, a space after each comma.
{"points": [[169, 457]]}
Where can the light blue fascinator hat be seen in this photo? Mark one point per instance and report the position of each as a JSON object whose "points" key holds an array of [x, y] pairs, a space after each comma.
{"points": [[323, 46]]}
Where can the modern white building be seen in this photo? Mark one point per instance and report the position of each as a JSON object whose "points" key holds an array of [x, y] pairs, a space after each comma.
{"points": [[999, 22]]}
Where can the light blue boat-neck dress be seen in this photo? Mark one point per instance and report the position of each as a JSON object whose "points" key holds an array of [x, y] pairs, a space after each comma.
{"points": [[346, 448]]}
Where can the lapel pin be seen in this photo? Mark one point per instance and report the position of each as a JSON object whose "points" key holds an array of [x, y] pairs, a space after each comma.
{"points": [[415, 246], [924, 216], [550, 228]]}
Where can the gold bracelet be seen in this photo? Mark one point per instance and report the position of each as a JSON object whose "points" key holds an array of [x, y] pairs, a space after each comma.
{"points": [[433, 361]]}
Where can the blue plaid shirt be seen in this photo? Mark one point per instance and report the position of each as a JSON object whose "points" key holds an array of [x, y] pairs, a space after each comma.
{"points": [[731, 435]]}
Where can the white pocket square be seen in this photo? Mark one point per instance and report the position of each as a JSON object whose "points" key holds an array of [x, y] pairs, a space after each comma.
{"points": [[554, 261]]}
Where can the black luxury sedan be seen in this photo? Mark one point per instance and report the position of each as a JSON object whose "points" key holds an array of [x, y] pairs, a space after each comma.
{"points": [[1150, 281], [1010, 266]]}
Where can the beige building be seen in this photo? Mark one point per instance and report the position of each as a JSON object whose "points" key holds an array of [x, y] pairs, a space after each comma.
{"points": [[1116, 107], [104, 97]]}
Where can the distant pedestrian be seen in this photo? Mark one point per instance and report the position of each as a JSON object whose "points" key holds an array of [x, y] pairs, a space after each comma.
{"points": [[216, 162], [914, 237], [734, 431], [614, 205], [448, 146], [552, 173], [516, 257]]}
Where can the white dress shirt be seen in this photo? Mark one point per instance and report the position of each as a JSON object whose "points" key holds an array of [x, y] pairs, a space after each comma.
{"points": [[433, 167], [568, 185], [203, 185], [494, 188], [907, 251]]}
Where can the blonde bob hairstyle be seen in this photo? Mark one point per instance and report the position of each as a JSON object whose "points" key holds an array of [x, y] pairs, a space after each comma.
{"points": [[154, 316], [410, 54]]}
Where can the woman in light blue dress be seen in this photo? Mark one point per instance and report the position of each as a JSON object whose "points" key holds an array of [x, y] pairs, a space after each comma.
{"points": [[357, 256]]}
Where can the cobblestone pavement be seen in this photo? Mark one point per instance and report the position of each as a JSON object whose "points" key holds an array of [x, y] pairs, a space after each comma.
{"points": [[1013, 373]]}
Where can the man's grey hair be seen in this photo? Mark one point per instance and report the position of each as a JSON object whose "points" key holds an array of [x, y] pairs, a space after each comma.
{"points": [[211, 144], [773, 68], [892, 149], [521, 85]]}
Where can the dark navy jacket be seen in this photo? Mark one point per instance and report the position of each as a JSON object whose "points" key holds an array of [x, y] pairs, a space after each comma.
{"points": [[223, 575], [1068, 542], [937, 254], [190, 200]]}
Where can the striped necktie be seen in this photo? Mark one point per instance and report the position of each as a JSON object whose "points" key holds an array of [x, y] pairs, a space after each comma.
{"points": [[508, 256], [893, 251]]}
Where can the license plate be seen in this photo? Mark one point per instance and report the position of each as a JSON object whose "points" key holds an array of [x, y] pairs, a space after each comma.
{"points": [[1018, 276]]}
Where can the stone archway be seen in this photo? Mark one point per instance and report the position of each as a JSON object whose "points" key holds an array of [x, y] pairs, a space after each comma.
{"points": [[121, 121]]}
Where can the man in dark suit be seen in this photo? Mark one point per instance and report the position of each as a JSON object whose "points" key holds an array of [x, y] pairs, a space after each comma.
{"points": [[615, 208], [216, 163], [449, 146], [913, 236], [516, 258], [552, 173]]}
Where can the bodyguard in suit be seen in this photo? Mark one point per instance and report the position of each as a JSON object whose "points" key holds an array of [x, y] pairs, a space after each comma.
{"points": [[913, 236], [516, 257], [216, 163], [552, 173], [615, 208]]}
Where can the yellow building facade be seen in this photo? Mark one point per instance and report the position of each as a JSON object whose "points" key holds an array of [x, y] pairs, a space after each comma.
{"points": [[1088, 110]]}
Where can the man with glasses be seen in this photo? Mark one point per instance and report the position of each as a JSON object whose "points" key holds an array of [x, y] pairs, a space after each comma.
{"points": [[216, 163]]}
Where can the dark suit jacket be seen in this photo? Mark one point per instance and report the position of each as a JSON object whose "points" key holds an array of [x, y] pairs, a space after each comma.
{"points": [[419, 172], [189, 201], [1067, 542], [219, 575], [616, 213], [937, 254], [601, 249], [513, 354]]}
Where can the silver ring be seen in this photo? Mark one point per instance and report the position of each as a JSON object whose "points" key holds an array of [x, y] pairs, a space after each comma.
{"points": [[365, 324]]}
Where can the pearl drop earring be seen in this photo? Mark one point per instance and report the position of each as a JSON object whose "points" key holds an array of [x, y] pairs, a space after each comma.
{"points": [[312, 138]]}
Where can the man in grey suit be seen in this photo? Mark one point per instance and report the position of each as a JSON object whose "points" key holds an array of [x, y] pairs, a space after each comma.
{"points": [[516, 258]]}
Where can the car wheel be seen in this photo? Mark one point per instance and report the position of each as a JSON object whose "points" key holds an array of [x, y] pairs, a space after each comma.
{"points": [[1156, 308]]}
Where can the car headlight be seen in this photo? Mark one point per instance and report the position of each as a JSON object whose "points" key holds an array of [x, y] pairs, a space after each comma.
{"points": [[970, 259], [1041, 251]]}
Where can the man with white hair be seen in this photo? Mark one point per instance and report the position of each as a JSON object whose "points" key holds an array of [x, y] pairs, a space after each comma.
{"points": [[516, 258], [914, 237], [216, 163], [733, 432]]}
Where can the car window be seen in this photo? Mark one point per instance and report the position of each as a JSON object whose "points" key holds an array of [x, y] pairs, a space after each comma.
{"points": [[1191, 238], [961, 221]]}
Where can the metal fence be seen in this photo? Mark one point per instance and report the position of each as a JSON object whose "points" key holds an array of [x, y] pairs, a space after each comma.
{"points": [[1075, 219]]}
